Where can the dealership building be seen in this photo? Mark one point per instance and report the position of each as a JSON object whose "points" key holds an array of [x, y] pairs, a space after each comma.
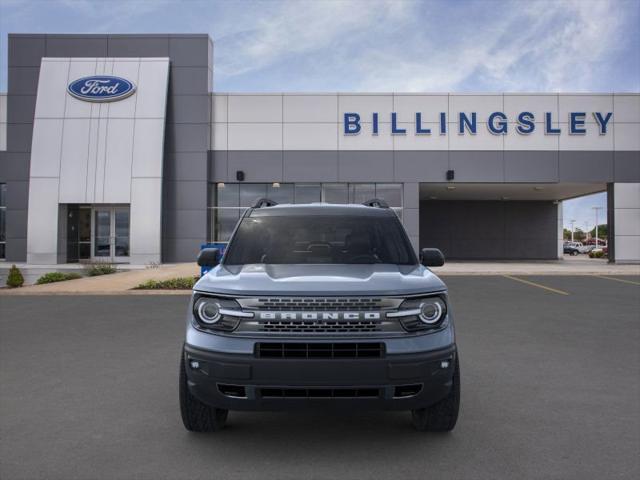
{"points": [[117, 148]]}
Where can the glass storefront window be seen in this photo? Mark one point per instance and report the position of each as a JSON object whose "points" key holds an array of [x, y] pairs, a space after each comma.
{"points": [[307, 192], [3, 215], [228, 201]]}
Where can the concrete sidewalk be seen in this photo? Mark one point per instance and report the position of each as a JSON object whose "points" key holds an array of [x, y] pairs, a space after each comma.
{"points": [[116, 283], [124, 282]]}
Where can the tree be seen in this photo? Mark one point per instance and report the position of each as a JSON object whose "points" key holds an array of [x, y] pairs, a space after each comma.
{"points": [[603, 231], [578, 235], [15, 278]]}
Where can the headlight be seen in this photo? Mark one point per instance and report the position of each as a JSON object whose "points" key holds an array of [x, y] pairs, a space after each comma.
{"points": [[218, 313], [431, 310], [421, 313], [208, 310]]}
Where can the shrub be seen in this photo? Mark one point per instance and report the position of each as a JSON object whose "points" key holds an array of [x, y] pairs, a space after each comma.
{"points": [[15, 278], [596, 254], [179, 283], [52, 277], [100, 269]]}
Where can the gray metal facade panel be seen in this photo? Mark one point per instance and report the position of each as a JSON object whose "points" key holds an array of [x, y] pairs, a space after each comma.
{"points": [[626, 167], [26, 50], [310, 166], [188, 80], [586, 166], [477, 166], [138, 46], [187, 137], [19, 138], [77, 46], [365, 166], [188, 109], [218, 164], [15, 167], [184, 166], [490, 230], [185, 195], [531, 166], [23, 80], [428, 165], [258, 166], [185, 223], [189, 51], [22, 108]]}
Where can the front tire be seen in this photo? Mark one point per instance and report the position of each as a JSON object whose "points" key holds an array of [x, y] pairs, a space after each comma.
{"points": [[442, 416], [196, 415]]}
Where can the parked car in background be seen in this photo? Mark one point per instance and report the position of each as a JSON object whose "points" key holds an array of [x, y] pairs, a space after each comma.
{"points": [[571, 248]]}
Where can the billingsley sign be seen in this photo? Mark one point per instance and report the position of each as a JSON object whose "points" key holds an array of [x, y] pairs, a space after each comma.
{"points": [[497, 123]]}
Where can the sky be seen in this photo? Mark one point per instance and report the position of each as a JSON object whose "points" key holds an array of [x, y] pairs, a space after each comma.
{"points": [[378, 45]]}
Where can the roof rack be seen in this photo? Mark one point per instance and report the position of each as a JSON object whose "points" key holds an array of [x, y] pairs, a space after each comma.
{"points": [[376, 202], [264, 202]]}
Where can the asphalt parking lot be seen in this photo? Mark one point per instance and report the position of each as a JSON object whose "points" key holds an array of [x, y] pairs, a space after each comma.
{"points": [[550, 389]]}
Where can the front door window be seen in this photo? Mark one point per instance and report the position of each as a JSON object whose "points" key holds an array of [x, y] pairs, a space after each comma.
{"points": [[111, 233]]}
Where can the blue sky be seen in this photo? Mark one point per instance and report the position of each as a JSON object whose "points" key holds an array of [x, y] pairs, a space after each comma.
{"points": [[386, 45]]}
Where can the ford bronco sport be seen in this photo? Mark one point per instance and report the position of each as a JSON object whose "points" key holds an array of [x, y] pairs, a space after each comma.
{"points": [[319, 305]]}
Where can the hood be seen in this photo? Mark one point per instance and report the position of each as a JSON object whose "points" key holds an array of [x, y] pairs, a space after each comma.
{"points": [[377, 279]]}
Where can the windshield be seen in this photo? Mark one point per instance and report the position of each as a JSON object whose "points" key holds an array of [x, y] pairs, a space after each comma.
{"points": [[320, 239]]}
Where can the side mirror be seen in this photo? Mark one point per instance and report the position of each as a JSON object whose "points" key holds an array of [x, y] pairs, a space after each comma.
{"points": [[431, 257], [208, 257]]}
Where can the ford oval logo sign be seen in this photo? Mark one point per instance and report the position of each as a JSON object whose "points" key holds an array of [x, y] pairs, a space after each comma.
{"points": [[101, 88]]}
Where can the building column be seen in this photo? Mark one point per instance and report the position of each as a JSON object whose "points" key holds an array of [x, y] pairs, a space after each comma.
{"points": [[560, 232], [411, 213], [624, 222]]}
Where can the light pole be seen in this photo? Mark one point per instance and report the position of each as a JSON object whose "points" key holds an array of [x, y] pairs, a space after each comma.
{"points": [[596, 209], [572, 228]]}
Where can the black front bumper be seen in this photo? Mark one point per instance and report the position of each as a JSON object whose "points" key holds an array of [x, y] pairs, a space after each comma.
{"points": [[393, 382]]}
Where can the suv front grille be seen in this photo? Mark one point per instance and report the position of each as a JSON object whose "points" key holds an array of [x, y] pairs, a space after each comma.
{"points": [[319, 304], [320, 326], [319, 350]]}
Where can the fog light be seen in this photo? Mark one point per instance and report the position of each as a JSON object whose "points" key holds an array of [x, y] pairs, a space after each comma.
{"points": [[444, 364], [194, 364]]}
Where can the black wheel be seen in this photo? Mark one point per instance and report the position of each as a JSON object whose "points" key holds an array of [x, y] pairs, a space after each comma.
{"points": [[442, 416], [574, 253], [198, 416]]}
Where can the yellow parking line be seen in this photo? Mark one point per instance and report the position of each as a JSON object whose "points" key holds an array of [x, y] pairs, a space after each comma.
{"points": [[533, 284], [618, 279]]}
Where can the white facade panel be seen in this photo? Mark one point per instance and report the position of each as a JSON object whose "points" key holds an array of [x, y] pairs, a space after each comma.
{"points": [[255, 136], [627, 249], [101, 158], [151, 94], [586, 103], [74, 161], [627, 136], [310, 136], [483, 105], [429, 106], [3, 136], [592, 140], [626, 195], [219, 136], [219, 105], [366, 141], [626, 108], [411, 141], [255, 108], [92, 158], [146, 220], [365, 105], [533, 141], [628, 222], [310, 108], [42, 222], [148, 143], [53, 80], [482, 140], [46, 144], [118, 159], [3, 122], [539, 105], [125, 108]]}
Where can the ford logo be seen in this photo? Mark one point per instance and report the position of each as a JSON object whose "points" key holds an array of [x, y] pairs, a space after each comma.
{"points": [[101, 88]]}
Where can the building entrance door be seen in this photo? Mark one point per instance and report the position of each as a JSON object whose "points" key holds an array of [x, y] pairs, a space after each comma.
{"points": [[110, 234]]}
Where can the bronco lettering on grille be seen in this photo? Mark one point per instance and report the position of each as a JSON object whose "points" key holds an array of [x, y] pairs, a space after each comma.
{"points": [[319, 315]]}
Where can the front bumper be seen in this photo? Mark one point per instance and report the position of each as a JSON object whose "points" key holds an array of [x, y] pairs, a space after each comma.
{"points": [[268, 383]]}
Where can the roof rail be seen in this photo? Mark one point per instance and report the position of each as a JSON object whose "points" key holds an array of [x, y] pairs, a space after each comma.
{"points": [[264, 202], [376, 202]]}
